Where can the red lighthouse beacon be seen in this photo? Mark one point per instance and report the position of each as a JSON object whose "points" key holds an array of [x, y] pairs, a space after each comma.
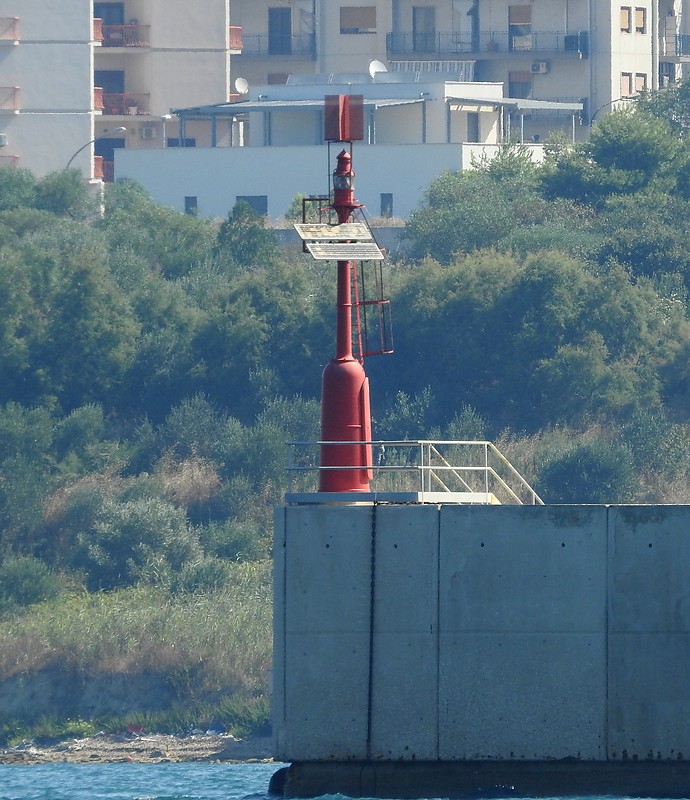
{"points": [[345, 414], [345, 454]]}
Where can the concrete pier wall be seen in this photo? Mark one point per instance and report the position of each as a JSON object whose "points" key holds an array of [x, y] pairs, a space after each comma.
{"points": [[480, 633]]}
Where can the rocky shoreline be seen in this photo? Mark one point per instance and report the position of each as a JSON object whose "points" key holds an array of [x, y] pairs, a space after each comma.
{"points": [[143, 748]]}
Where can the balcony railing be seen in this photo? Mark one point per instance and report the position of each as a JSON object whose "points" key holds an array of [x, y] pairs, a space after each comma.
{"points": [[125, 35], [98, 167], [676, 46], [9, 98], [98, 103], [235, 37], [264, 44], [97, 30], [9, 29], [130, 103], [9, 161], [450, 44]]}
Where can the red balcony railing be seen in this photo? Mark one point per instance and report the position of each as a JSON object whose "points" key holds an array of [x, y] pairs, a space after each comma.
{"points": [[9, 29], [9, 98], [235, 37], [126, 35], [130, 103], [98, 167], [98, 98], [98, 30]]}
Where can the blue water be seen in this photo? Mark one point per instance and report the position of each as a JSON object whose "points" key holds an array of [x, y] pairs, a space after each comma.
{"points": [[143, 782], [135, 781]]}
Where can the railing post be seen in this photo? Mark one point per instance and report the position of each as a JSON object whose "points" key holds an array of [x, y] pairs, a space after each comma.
{"points": [[486, 469]]}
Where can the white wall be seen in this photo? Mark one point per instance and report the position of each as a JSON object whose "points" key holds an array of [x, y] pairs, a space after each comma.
{"points": [[216, 176]]}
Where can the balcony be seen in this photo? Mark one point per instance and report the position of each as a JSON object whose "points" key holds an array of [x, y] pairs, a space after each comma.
{"points": [[444, 44], [675, 48], [130, 35], [9, 98], [264, 45], [235, 37], [129, 103], [9, 30]]}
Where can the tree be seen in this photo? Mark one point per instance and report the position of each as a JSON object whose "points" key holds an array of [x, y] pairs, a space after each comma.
{"points": [[627, 152], [64, 194], [244, 238], [17, 189], [671, 104]]}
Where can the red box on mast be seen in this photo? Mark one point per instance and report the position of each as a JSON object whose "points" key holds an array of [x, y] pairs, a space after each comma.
{"points": [[344, 118]]}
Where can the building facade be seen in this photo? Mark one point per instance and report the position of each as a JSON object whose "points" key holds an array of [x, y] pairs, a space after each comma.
{"points": [[596, 51], [79, 70]]}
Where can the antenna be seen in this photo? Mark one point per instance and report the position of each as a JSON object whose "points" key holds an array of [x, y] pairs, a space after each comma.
{"points": [[242, 85], [376, 66]]}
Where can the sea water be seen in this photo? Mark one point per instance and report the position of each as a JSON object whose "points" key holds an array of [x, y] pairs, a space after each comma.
{"points": [[131, 781]]}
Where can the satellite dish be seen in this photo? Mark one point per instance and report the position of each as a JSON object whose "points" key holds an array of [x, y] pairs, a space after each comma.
{"points": [[242, 85], [377, 66]]}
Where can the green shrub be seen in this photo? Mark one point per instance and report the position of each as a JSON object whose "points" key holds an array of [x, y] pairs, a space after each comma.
{"points": [[25, 580], [202, 577], [595, 472]]}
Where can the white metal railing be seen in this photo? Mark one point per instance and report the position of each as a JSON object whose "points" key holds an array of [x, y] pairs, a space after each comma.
{"points": [[425, 467]]}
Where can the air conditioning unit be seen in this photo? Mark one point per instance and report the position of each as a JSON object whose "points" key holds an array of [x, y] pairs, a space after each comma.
{"points": [[540, 67], [148, 132]]}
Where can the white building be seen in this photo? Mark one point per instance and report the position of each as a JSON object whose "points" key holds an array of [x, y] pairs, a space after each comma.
{"points": [[597, 51], [80, 70], [413, 131]]}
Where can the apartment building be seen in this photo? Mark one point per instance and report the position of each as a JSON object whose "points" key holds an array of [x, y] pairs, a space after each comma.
{"points": [[77, 71], [597, 51]]}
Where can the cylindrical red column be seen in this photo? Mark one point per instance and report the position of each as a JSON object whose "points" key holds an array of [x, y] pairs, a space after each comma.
{"points": [[345, 415]]}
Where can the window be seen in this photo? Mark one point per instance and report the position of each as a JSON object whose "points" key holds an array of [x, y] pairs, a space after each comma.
{"points": [[640, 20], [520, 27], [358, 19], [520, 84], [279, 31], [424, 29], [386, 204], [176, 142], [626, 84], [190, 205], [626, 19], [472, 126], [275, 78], [640, 82]]}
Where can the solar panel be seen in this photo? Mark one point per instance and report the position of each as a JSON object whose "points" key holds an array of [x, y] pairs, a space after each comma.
{"points": [[345, 251], [349, 231]]}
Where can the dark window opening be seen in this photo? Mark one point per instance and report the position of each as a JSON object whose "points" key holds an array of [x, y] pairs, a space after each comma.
{"points": [[386, 204]]}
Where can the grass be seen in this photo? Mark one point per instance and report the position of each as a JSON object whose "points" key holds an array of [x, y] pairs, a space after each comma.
{"points": [[214, 649]]}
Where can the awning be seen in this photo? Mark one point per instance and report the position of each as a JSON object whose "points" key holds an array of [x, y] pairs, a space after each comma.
{"points": [[512, 104], [263, 106]]}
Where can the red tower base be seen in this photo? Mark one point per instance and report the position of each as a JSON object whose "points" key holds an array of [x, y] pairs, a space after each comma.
{"points": [[345, 417]]}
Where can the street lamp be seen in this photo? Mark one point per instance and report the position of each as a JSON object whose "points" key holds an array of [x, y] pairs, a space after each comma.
{"points": [[628, 98], [91, 141], [164, 119]]}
